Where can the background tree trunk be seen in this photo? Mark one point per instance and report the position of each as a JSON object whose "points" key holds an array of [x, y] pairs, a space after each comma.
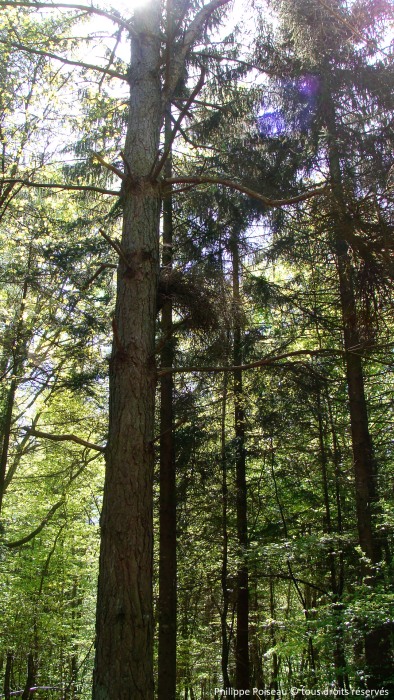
{"points": [[167, 606], [7, 675], [242, 629], [17, 352], [31, 677], [225, 636]]}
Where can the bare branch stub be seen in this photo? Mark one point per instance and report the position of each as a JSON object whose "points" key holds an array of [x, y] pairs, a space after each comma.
{"points": [[116, 246], [109, 166]]}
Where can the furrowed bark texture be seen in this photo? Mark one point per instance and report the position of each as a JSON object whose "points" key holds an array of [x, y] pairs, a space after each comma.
{"points": [[124, 621]]}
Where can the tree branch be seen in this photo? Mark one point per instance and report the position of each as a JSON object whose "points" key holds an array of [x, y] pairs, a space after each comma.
{"points": [[108, 69], [116, 246], [70, 62], [67, 437], [252, 365], [285, 577], [101, 268], [208, 180], [197, 23], [27, 538], [52, 185], [222, 57], [157, 169], [354, 31], [191, 36], [34, 688], [89, 9]]}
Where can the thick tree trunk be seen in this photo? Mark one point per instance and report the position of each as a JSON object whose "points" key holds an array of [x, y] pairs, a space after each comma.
{"points": [[167, 606], [378, 655], [242, 630], [363, 459], [124, 622]]}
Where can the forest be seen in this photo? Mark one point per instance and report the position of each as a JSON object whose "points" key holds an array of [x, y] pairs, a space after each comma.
{"points": [[196, 364]]}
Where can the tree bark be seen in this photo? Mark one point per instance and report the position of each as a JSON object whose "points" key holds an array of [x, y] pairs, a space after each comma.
{"points": [[124, 619]]}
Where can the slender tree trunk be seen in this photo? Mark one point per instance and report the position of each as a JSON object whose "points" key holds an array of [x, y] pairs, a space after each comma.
{"points": [[31, 677], [274, 684], [17, 354], [336, 569], [7, 424], [338, 480], [124, 619], [167, 606], [224, 571], [76, 604], [256, 644], [7, 675], [302, 598], [339, 646], [242, 629]]}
